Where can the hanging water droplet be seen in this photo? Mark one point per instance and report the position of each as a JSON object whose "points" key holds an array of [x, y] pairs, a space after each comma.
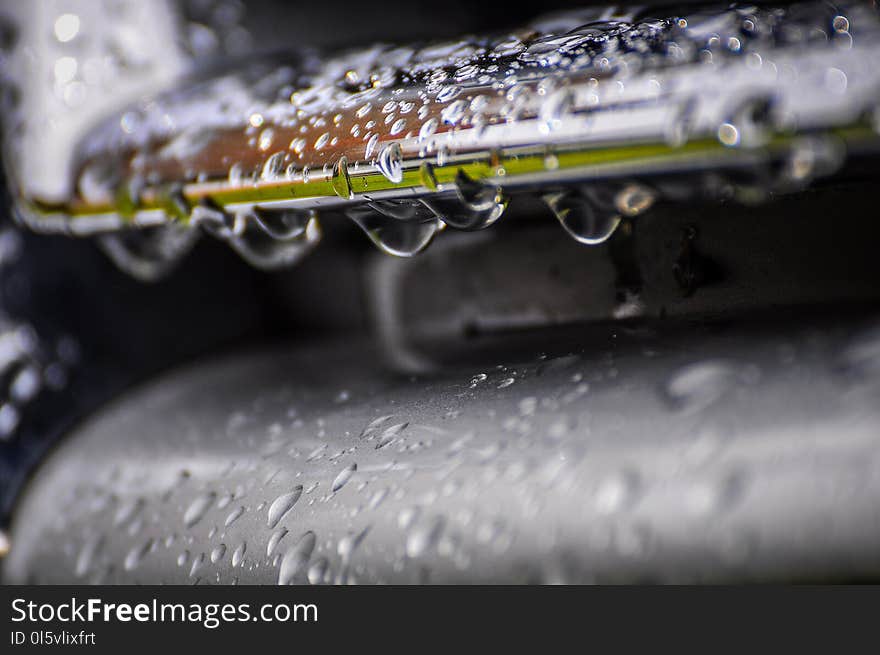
{"points": [[215, 221], [474, 207], [283, 223], [403, 210], [149, 254], [265, 251], [582, 218], [392, 236]]}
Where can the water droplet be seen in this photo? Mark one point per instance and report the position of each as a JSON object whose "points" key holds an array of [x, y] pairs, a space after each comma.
{"points": [[424, 536], [728, 134], [836, 81], [283, 504], [266, 138], [407, 517], [582, 218], [273, 167], [696, 386], [840, 24], [371, 146], [634, 199], [390, 162], [318, 571], [617, 492], [283, 224], [448, 92], [198, 508], [322, 141], [264, 251], [238, 555], [557, 105], [453, 113], [128, 511], [90, 550], [378, 497], [392, 236], [136, 555], [276, 537], [296, 558], [196, 565], [476, 206], [349, 543], [341, 181], [751, 124], [66, 27], [233, 516], [398, 126], [389, 434], [343, 477], [429, 127], [218, 553]]}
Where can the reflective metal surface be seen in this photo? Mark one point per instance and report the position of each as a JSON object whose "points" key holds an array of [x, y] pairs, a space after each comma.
{"points": [[735, 452]]}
